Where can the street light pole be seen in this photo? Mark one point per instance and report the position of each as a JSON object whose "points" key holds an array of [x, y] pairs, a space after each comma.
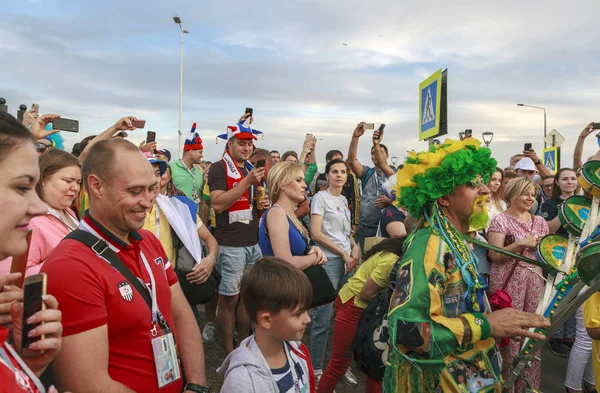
{"points": [[181, 32], [544, 109]]}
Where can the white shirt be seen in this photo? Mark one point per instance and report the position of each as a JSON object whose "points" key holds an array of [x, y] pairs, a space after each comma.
{"points": [[336, 219]]}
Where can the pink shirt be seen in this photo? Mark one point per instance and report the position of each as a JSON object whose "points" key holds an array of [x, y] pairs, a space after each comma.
{"points": [[47, 232]]}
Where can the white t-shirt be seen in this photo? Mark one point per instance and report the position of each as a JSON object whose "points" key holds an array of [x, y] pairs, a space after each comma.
{"points": [[336, 219], [493, 210]]}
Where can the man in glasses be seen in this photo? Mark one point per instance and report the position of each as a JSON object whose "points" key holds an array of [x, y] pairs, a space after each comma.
{"points": [[43, 145]]}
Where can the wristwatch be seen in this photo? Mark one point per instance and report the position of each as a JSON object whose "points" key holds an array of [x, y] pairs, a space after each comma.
{"points": [[192, 387], [538, 162]]}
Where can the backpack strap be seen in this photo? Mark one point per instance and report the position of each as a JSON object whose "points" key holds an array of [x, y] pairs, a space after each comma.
{"points": [[102, 250], [367, 177]]}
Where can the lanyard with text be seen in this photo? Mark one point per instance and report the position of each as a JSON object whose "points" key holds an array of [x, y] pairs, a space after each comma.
{"points": [[23, 376], [163, 341], [157, 317]]}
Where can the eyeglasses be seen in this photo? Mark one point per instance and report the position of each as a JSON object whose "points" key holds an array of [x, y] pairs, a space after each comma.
{"points": [[548, 185], [42, 147], [477, 182]]}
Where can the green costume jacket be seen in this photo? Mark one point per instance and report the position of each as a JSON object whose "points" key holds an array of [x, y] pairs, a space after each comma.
{"points": [[436, 343]]}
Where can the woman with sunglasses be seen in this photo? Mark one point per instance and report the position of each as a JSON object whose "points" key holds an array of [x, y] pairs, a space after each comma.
{"points": [[20, 203]]}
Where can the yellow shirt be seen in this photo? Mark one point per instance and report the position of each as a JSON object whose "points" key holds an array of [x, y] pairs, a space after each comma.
{"points": [[591, 319], [165, 237], [378, 267]]}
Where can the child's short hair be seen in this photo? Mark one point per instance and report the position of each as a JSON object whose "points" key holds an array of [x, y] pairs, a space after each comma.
{"points": [[273, 284]]}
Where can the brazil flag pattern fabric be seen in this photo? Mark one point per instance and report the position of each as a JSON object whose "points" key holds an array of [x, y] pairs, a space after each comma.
{"points": [[437, 344]]}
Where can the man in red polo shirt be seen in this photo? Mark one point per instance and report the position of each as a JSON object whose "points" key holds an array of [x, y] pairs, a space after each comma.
{"points": [[109, 337]]}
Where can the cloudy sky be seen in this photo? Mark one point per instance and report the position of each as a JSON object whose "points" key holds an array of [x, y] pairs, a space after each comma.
{"points": [[97, 61]]}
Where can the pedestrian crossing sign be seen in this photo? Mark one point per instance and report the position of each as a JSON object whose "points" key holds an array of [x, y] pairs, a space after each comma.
{"points": [[432, 106], [551, 158]]}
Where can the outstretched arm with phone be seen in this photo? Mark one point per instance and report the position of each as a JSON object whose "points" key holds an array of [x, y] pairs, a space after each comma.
{"points": [[356, 166], [578, 152], [124, 124], [543, 171], [380, 156]]}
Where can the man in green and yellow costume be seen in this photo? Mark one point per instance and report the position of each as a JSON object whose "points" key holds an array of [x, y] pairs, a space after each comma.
{"points": [[442, 330]]}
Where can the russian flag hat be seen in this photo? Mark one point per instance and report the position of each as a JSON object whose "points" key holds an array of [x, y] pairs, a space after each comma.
{"points": [[194, 142], [240, 131]]}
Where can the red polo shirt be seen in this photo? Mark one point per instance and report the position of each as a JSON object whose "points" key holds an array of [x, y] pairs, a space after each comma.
{"points": [[91, 293]]}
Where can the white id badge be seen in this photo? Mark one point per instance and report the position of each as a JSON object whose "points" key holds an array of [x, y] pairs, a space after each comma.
{"points": [[165, 358]]}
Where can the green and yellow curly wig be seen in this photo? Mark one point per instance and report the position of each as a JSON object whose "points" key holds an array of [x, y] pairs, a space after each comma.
{"points": [[432, 174]]}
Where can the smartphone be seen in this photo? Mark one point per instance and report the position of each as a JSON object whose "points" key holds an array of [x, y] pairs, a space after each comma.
{"points": [[260, 163], [150, 136], [380, 131], [34, 289], [138, 123], [527, 147], [69, 125], [468, 133], [369, 126], [596, 126], [19, 264], [35, 107], [249, 111]]}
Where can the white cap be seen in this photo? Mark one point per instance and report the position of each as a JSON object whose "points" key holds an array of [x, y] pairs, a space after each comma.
{"points": [[525, 164]]}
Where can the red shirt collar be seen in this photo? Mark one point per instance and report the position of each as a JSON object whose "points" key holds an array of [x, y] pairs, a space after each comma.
{"points": [[134, 237]]}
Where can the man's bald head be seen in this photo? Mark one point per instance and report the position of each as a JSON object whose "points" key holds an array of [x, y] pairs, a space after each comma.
{"points": [[102, 158]]}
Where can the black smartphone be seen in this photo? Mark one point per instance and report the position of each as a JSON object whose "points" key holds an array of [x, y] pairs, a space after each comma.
{"points": [[380, 130], [33, 290], [150, 136], [138, 123], [62, 124], [249, 111], [527, 147], [596, 126], [260, 163], [468, 133]]}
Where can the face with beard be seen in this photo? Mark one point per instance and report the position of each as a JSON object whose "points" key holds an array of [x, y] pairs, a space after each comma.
{"points": [[479, 218]]}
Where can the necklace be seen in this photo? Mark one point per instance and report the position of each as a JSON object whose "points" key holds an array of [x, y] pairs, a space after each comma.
{"points": [[464, 257]]}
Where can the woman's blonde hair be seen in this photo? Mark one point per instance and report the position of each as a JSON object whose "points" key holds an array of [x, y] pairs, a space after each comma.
{"points": [[517, 187], [280, 175]]}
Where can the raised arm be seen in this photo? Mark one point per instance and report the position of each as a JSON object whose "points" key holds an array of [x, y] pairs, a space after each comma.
{"points": [[124, 124], [578, 152], [380, 156], [539, 165], [356, 166]]}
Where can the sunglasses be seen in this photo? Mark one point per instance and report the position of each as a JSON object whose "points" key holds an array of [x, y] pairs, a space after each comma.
{"points": [[42, 147]]}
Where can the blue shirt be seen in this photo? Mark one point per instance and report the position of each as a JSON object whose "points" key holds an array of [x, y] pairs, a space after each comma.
{"points": [[297, 240]]}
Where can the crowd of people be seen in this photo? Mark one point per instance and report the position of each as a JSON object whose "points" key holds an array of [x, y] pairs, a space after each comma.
{"points": [[131, 241]]}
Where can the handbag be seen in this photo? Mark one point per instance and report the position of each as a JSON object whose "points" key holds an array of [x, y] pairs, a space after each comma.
{"points": [[185, 262], [372, 241], [322, 288]]}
